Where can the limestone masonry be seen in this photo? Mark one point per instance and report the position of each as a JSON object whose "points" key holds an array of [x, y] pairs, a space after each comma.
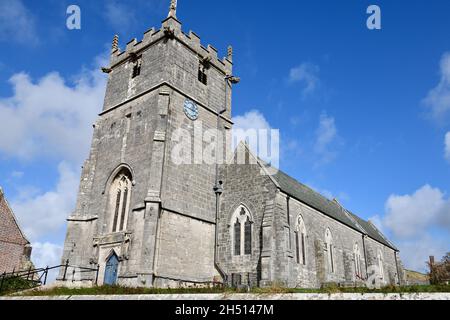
{"points": [[146, 221]]}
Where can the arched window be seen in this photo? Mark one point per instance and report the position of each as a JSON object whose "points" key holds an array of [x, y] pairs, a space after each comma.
{"points": [[300, 241], [248, 237], [242, 232], [120, 196], [380, 264], [237, 237], [357, 258], [329, 250]]}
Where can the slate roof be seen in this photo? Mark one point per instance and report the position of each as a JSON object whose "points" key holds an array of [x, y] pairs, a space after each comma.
{"points": [[373, 231], [333, 209], [308, 196]]}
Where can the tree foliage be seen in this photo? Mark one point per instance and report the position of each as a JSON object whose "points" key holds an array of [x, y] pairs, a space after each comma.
{"points": [[440, 271]]}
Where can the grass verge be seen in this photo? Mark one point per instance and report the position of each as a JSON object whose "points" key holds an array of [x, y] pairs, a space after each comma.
{"points": [[115, 290], [15, 284]]}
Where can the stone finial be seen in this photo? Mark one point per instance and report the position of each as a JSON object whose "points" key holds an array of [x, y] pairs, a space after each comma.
{"points": [[230, 53], [115, 43], [173, 9]]}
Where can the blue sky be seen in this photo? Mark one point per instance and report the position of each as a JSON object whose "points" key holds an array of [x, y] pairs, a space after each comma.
{"points": [[363, 114]]}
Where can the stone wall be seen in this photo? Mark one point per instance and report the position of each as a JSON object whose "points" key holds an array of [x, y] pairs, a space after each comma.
{"points": [[317, 270], [122, 139], [245, 185], [185, 251], [274, 258], [391, 265]]}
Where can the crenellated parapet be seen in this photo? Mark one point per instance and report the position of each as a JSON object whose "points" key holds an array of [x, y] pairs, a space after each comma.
{"points": [[171, 31]]}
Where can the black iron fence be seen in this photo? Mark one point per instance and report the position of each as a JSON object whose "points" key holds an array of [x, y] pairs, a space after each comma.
{"points": [[33, 278]]}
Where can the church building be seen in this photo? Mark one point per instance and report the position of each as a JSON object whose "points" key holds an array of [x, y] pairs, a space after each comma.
{"points": [[147, 221]]}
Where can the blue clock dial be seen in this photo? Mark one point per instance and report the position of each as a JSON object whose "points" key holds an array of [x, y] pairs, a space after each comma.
{"points": [[191, 110]]}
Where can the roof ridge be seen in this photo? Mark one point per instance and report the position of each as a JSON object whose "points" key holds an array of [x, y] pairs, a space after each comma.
{"points": [[318, 201]]}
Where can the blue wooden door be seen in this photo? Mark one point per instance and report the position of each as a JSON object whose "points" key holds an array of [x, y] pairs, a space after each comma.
{"points": [[112, 266]]}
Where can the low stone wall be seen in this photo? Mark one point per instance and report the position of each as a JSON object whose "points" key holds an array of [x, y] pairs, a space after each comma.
{"points": [[244, 297]]}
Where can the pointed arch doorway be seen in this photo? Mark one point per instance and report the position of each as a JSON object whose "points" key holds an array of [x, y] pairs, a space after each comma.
{"points": [[111, 270]]}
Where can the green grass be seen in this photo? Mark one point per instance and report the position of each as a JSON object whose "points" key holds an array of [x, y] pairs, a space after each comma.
{"points": [[15, 284], [107, 290], [115, 290], [335, 289]]}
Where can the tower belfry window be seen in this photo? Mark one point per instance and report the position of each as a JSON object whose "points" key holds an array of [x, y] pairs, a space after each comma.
{"points": [[202, 76], [137, 68]]}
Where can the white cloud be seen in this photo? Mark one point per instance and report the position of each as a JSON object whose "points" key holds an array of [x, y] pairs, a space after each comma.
{"points": [[415, 253], [251, 125], [41, 214], [119, 15], [17, 174], [307, 74], [17, 23], [244, 125], [251, 120], [47, 255], [49, 117], [413, 221], [326, 136], [409, 215], [447, 146], [438, 99]]}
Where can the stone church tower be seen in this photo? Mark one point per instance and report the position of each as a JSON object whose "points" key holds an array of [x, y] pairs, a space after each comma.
{"points": [[145, 219], [149, 220]]}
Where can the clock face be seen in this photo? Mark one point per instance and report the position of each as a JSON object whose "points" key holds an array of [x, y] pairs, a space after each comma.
{"points": [[191, 110]]}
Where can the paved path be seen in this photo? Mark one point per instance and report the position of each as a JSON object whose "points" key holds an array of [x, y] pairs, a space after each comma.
{"points": [[260, 297]]}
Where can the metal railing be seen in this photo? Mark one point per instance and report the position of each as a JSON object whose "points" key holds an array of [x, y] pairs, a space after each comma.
{"points": [[38, 277]]}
